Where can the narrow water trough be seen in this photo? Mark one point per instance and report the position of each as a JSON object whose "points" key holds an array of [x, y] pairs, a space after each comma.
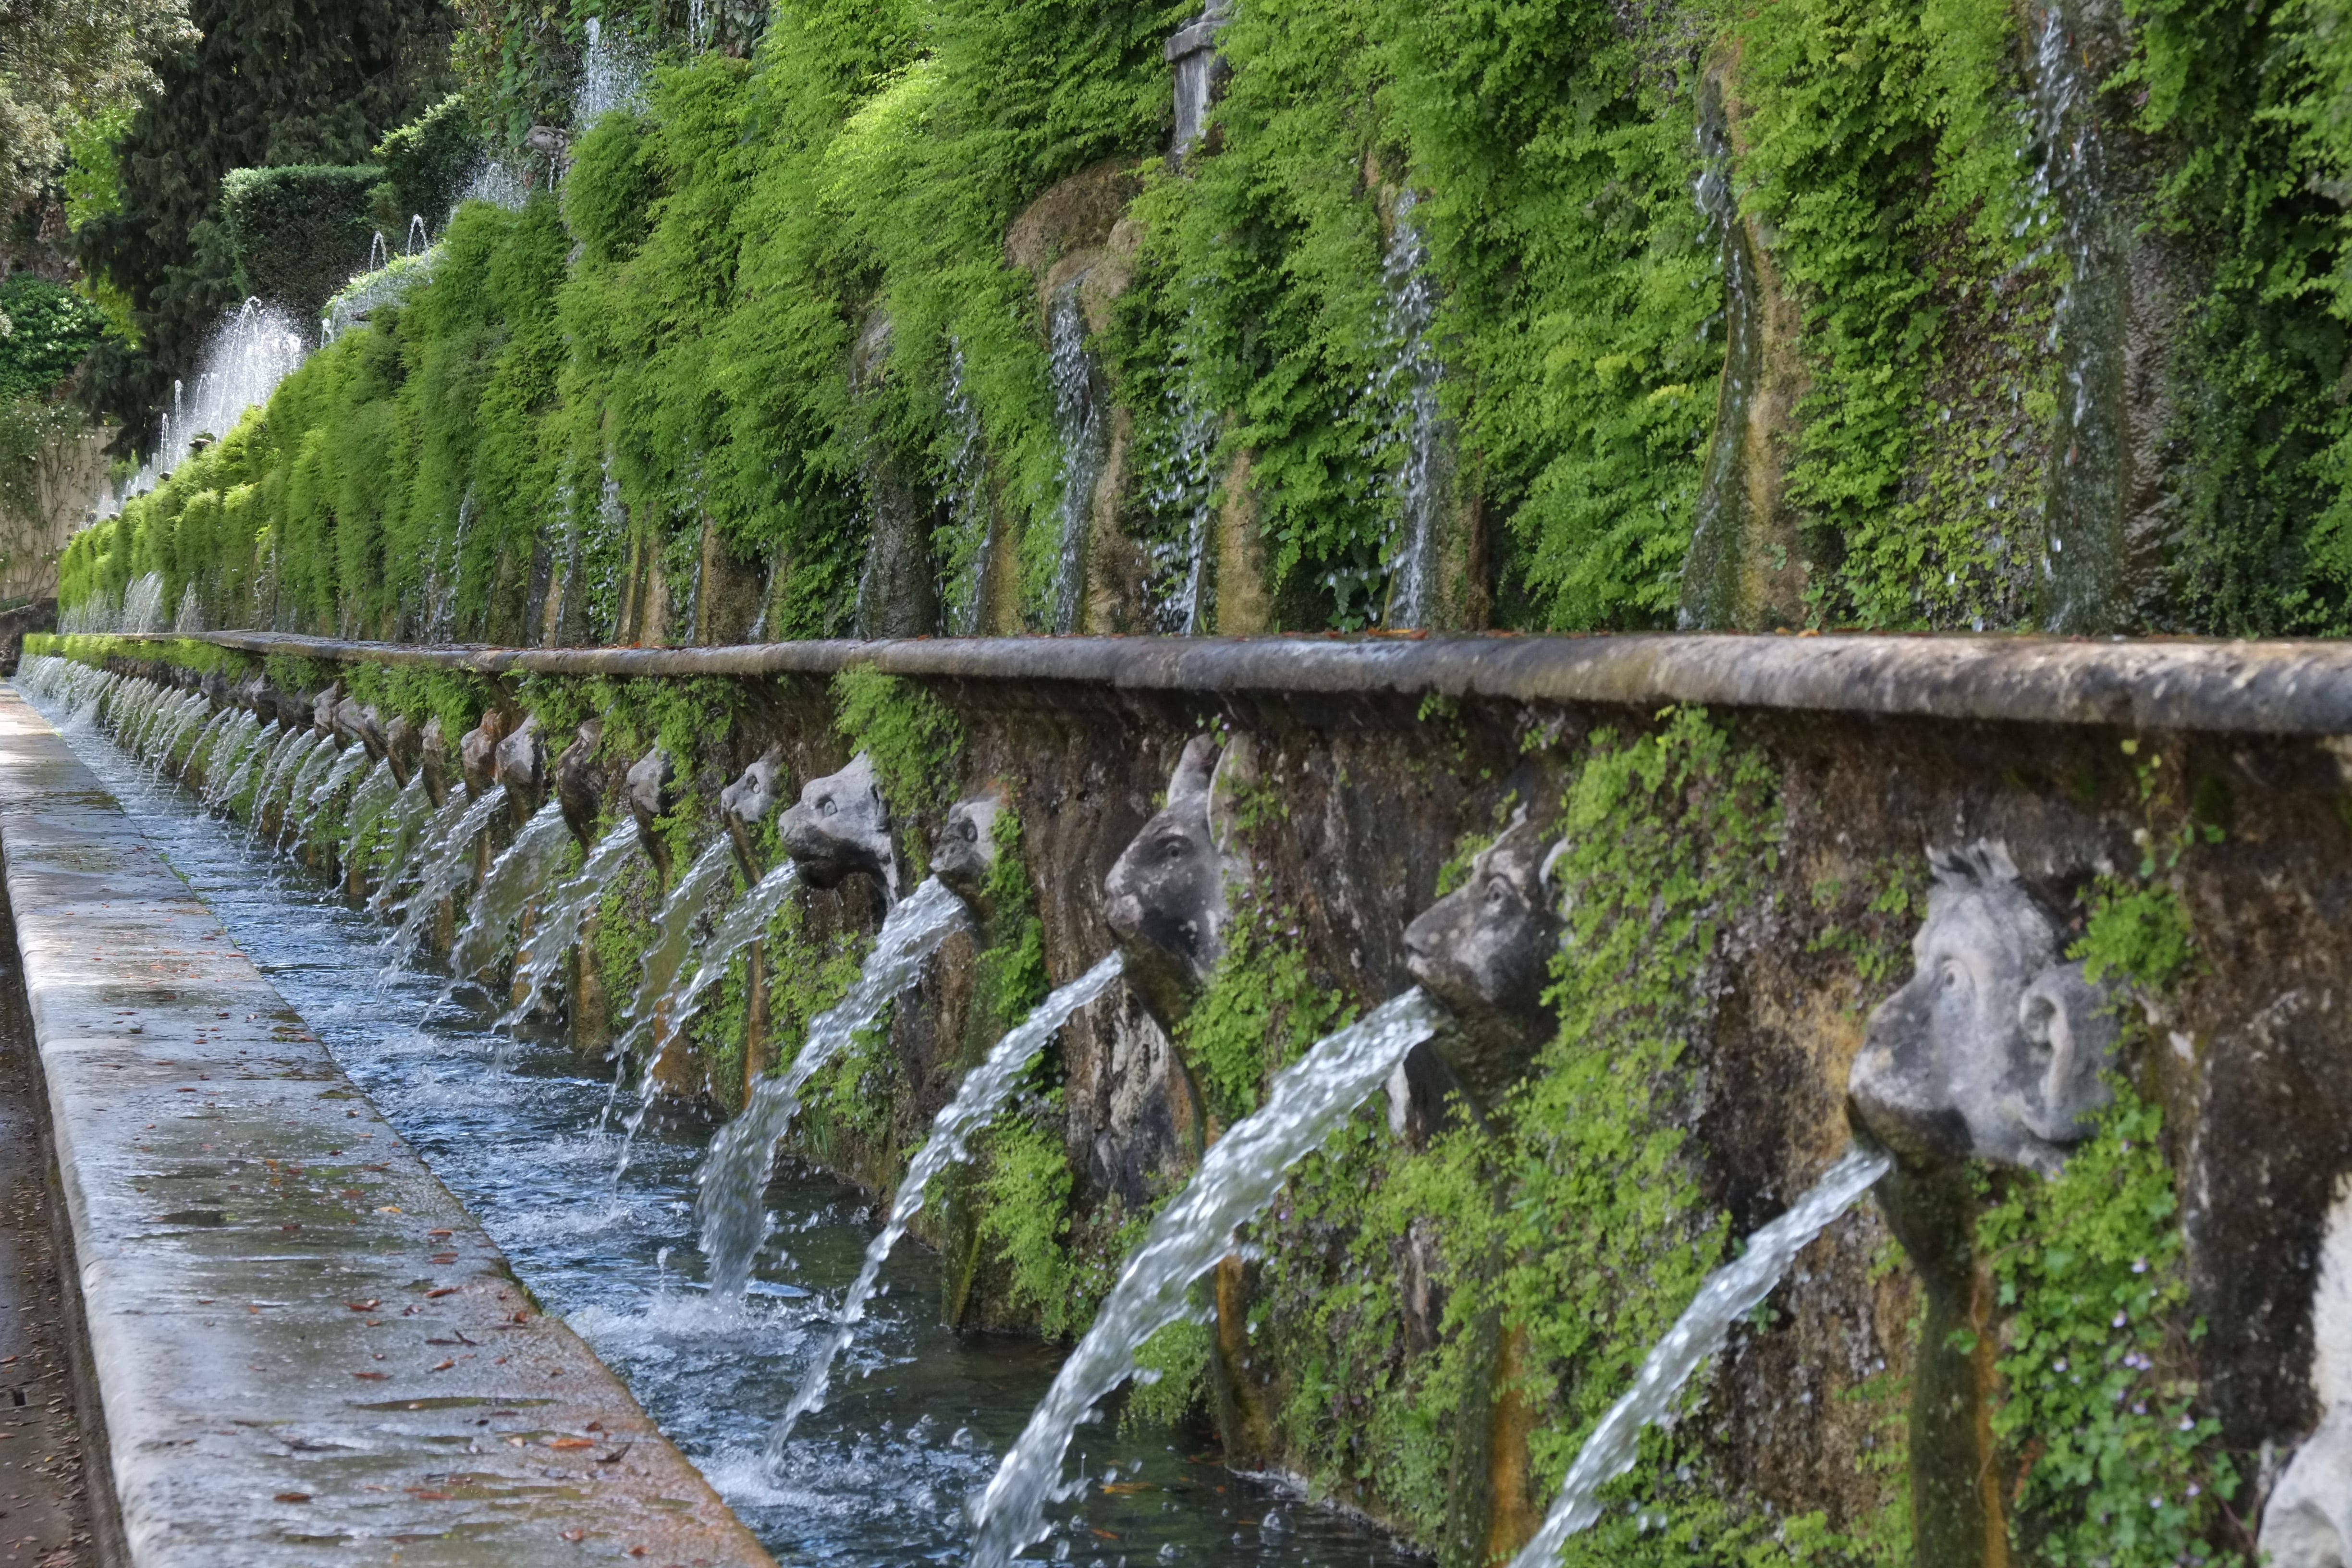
{"points": [[301, 1341]]}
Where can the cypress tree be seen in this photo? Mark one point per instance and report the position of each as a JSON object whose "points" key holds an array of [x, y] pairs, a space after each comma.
{"points": [[273, 82]]}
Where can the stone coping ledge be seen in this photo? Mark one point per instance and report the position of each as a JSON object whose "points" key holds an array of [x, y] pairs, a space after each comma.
{"points": [[306, 1350], [2256, 688]]}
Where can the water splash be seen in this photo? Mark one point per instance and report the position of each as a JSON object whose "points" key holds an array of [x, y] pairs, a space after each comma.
{"points": [[255, 347], [977, 1100], [557, 930], [1238, 1177], [1178, 485], [445, 861], [513, 880], [1729, 1294], [1083, 433], [734, 1175], [612, 77]]}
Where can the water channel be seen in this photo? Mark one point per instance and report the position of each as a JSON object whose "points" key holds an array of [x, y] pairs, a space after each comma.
{"points": [[520, 1129]]}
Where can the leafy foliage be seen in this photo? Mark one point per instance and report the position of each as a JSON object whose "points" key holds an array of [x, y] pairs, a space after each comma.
{"points": [[50, 330]]}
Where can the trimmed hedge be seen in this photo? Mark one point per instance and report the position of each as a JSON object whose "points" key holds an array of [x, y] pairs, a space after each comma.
{"points": [[300, 232]]}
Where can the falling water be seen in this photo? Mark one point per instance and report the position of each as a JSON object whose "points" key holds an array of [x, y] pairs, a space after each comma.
{"points": [[560, 920], [417, 241], [411, 822], [1084, 433], [605, 558], [1711, 571], [740, 930], [303, 791], [1729, 1294], [369, 803], [255, 347], [653, 1011], [232, 753], [191, 619], [612, 76], [142, 606], [443, 864], [965, 555], [513, 880], [1238, 1177], [378, 252], [267, 769], [1179, 484], [1405, 387], [2082, 574], [1194, 53], [976, 1103], [734, 1175]]}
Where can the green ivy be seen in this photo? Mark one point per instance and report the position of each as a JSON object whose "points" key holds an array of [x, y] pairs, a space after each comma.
{"points": [[913, 738]]}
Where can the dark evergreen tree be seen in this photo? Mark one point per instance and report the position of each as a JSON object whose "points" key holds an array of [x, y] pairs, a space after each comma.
{"points": [[273, 82]]}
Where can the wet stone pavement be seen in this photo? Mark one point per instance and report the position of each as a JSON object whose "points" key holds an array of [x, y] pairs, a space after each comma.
{"points": [[44, 1516]]}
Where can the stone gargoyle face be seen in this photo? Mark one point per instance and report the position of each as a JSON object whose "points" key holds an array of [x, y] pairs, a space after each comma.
{"points": [[575, 781], [968, 846], [840, 825], [1165, 896], [650, 788], [1995, 1048], [1485, 950], [362, 724], [477, 751], [746, 803]]}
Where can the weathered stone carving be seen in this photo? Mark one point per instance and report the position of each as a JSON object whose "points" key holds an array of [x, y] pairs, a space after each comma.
{"points": [[1994, 1048], [434, 759], [521, 766], [362, 724], [746, 803], [575, 782], [967, 848], [403, 747], [840, 825], [477, 751], [2307, 1522], [1165, 896], [322, 710], [650, 788], [1485, 950]]}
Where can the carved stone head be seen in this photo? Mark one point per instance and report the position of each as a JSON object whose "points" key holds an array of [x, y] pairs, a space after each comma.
{"points": [[2307, 1522], [841, 825], [1994, 1048], [1165, 897], [651, 790], [477, 751], [967, 848], [746, 803], [404, 746], [1485, 950], [575, 782], [362, 725], [521, 766], [433, 757], [322, 710]]}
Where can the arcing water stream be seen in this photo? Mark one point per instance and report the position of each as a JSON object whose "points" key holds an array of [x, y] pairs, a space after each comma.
{"points": [[876, 1477]]}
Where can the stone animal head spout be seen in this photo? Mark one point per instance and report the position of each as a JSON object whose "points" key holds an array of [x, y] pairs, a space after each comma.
{"points": [[403, 747], [575, 782], [746, 803], [1165, 897], [362, 724], [841, 825], [967, 850], [322, 708], [477, 751], [433, 757], [1995, 1048], [1485, 950], [521, 766], [651, 790]]}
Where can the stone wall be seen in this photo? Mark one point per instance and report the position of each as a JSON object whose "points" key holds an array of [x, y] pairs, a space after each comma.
{"points": [[2205, 779]]}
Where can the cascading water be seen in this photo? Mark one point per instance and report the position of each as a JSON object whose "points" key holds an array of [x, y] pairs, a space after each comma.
{"points": [[976, 1103], [1729, 1294], [511, 1127], [444, 863], [1413, 426], [612, 77], [651, 1013], [142, 606], [513, 880], [254, 349], [742, 928], [1711, 597], [965, 496], [1194, 53], [1179, 483], [1084, 434], [2082, 574], [190, 620], [1237, 1178], [304, 796], [560, 920], [411, 822], [734, 1175], [369, 804]]}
